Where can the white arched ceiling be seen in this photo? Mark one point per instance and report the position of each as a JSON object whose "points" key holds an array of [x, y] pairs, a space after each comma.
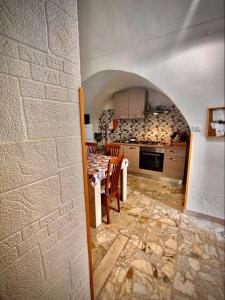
{"points": [[100, 87], [178, 45]]}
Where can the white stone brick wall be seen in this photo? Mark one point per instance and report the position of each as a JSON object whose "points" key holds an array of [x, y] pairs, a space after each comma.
{"points": [[43, 244]]}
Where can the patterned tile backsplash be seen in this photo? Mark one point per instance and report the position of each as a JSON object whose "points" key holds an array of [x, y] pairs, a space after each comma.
{"points": [[153, 127]]}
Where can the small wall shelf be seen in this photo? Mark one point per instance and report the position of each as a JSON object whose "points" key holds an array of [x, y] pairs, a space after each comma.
{"points": [[216, 122]]}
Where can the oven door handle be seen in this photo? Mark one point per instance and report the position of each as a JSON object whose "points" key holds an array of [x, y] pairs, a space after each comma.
{"points": [[150, 154]]}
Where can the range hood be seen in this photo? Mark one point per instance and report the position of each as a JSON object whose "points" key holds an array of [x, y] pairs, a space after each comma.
{"points": [[149, 109]]}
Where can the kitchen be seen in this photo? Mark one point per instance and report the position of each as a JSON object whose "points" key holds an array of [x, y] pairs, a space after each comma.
{"points": [[152, 135], [151, 132]]}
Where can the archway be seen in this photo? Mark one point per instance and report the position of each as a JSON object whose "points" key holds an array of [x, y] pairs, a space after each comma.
{"points": [[100, 87]]}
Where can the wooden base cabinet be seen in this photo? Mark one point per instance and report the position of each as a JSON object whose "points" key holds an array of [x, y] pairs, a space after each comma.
{"points": [[173, 166], [174, 162], [132, 154]]}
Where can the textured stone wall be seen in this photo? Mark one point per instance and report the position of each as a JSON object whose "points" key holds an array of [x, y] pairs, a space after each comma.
{"points": [[43, 245]]}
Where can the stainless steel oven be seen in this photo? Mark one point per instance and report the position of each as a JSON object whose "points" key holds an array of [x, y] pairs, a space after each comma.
{"points": [[151, 158]]}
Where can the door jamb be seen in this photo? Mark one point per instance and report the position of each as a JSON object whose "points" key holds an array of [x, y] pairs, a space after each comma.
{"points": [[188, 171], [84, 162]]}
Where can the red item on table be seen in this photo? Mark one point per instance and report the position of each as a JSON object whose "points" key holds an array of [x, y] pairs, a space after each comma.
{"points": [[115, 123]]}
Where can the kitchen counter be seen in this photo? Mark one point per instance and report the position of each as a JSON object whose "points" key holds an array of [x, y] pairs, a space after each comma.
{"points": [[169, 163], [175, 146]]}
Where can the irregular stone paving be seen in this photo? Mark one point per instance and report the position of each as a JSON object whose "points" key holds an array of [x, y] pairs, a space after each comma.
{"points": [[166, 193], [169, 255]]}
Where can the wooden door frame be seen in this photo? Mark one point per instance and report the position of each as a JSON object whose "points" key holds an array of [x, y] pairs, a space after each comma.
{"points": [[84, 161], [188, 172]]}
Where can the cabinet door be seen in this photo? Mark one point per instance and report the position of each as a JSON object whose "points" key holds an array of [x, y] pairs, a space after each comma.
{"points": [[121, 105], [132, 154], [175, 152], [173, 167], [136, 103]]}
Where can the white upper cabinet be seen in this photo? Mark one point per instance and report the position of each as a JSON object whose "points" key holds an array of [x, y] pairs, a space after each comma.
{"points": [[121, 105], [129, 104], [136, 103]]}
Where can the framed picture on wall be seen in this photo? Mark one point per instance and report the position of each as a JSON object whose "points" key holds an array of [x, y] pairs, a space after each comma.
{"points": [[216, 122]]}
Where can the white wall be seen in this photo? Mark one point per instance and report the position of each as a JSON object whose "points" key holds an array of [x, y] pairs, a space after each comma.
{"points": [[179, 47], [206, 192]]}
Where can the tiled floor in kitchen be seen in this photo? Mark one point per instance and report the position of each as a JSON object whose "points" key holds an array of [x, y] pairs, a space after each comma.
{"points": [[166, 254]]}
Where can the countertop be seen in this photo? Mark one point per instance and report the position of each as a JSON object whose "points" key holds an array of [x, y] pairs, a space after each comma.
{"points": [[175, 146]]}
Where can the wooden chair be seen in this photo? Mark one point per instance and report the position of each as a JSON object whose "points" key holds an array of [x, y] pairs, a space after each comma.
{"points": [[91, 148], [112, 150], [112, 189]]}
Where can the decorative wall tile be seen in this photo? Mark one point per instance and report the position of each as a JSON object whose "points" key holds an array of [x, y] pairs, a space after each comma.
{"points": [[152, 128]]}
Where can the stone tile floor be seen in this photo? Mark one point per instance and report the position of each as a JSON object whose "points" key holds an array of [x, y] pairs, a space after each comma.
{"points": [[166, 193], [169, 255]]}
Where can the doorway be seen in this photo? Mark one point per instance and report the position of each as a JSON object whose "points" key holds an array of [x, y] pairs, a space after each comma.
{"points": [[128, 227]]}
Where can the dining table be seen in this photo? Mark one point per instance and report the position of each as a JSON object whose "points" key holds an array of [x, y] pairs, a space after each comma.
{"points": [[97, 166]]}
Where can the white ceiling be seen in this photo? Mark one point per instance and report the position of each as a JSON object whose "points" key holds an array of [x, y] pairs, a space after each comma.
{"points": [[107, 26]]}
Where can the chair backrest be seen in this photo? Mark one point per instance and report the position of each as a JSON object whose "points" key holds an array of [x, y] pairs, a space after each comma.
{"points": [[91, 148], [112, 150], [113, 174]]}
